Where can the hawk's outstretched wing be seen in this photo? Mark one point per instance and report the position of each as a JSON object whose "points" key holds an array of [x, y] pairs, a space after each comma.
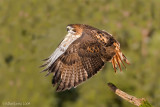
{"points": [[78, 63]]}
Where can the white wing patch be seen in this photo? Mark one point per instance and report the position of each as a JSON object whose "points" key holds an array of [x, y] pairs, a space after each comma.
{"points": [[69, 38]]}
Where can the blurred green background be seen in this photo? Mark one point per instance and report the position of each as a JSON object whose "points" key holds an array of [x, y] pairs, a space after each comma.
{"points": [[30, 31]]}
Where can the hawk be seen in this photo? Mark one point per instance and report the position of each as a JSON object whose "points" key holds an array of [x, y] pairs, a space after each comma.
{"points": [[81, 54]]}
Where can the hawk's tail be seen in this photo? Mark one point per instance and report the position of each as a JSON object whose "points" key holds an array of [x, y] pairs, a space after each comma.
{"points": [[118, 58]]}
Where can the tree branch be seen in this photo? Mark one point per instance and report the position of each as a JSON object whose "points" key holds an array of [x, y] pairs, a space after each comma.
{"points": [[136, 101]]}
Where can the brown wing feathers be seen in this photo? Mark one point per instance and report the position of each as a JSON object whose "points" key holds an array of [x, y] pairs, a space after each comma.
{"points": [[72, 68], [70, 77], [92, 65], [77, 64]]}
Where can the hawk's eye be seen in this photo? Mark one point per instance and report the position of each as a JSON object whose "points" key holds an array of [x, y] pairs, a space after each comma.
{"points": [[74, 30]]}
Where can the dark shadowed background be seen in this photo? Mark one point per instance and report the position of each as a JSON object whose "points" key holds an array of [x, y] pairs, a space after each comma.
{"points": [[30, 31]]}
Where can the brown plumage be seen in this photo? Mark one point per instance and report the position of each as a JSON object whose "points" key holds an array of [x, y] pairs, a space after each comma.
{"points": [[81, 54]]}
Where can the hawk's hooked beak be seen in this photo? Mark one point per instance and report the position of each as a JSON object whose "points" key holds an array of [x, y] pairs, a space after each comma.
{"points": [[71, 30], [68, 28]]}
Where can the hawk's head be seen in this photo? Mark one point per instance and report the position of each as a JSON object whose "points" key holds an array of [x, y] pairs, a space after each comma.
{"points": [[74, 29]]}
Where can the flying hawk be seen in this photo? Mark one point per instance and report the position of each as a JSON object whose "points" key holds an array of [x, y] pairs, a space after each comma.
{"points": [[81, 54]]}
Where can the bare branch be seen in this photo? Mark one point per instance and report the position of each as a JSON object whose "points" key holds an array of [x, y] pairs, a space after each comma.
{"points": [[125, 96]]}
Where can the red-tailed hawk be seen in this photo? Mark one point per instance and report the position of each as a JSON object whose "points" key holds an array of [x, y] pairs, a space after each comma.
{"points": [[81, 54]]}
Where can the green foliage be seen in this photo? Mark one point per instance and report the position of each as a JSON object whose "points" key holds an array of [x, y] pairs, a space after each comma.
{"points": [[31, 29], [145, 104]]}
